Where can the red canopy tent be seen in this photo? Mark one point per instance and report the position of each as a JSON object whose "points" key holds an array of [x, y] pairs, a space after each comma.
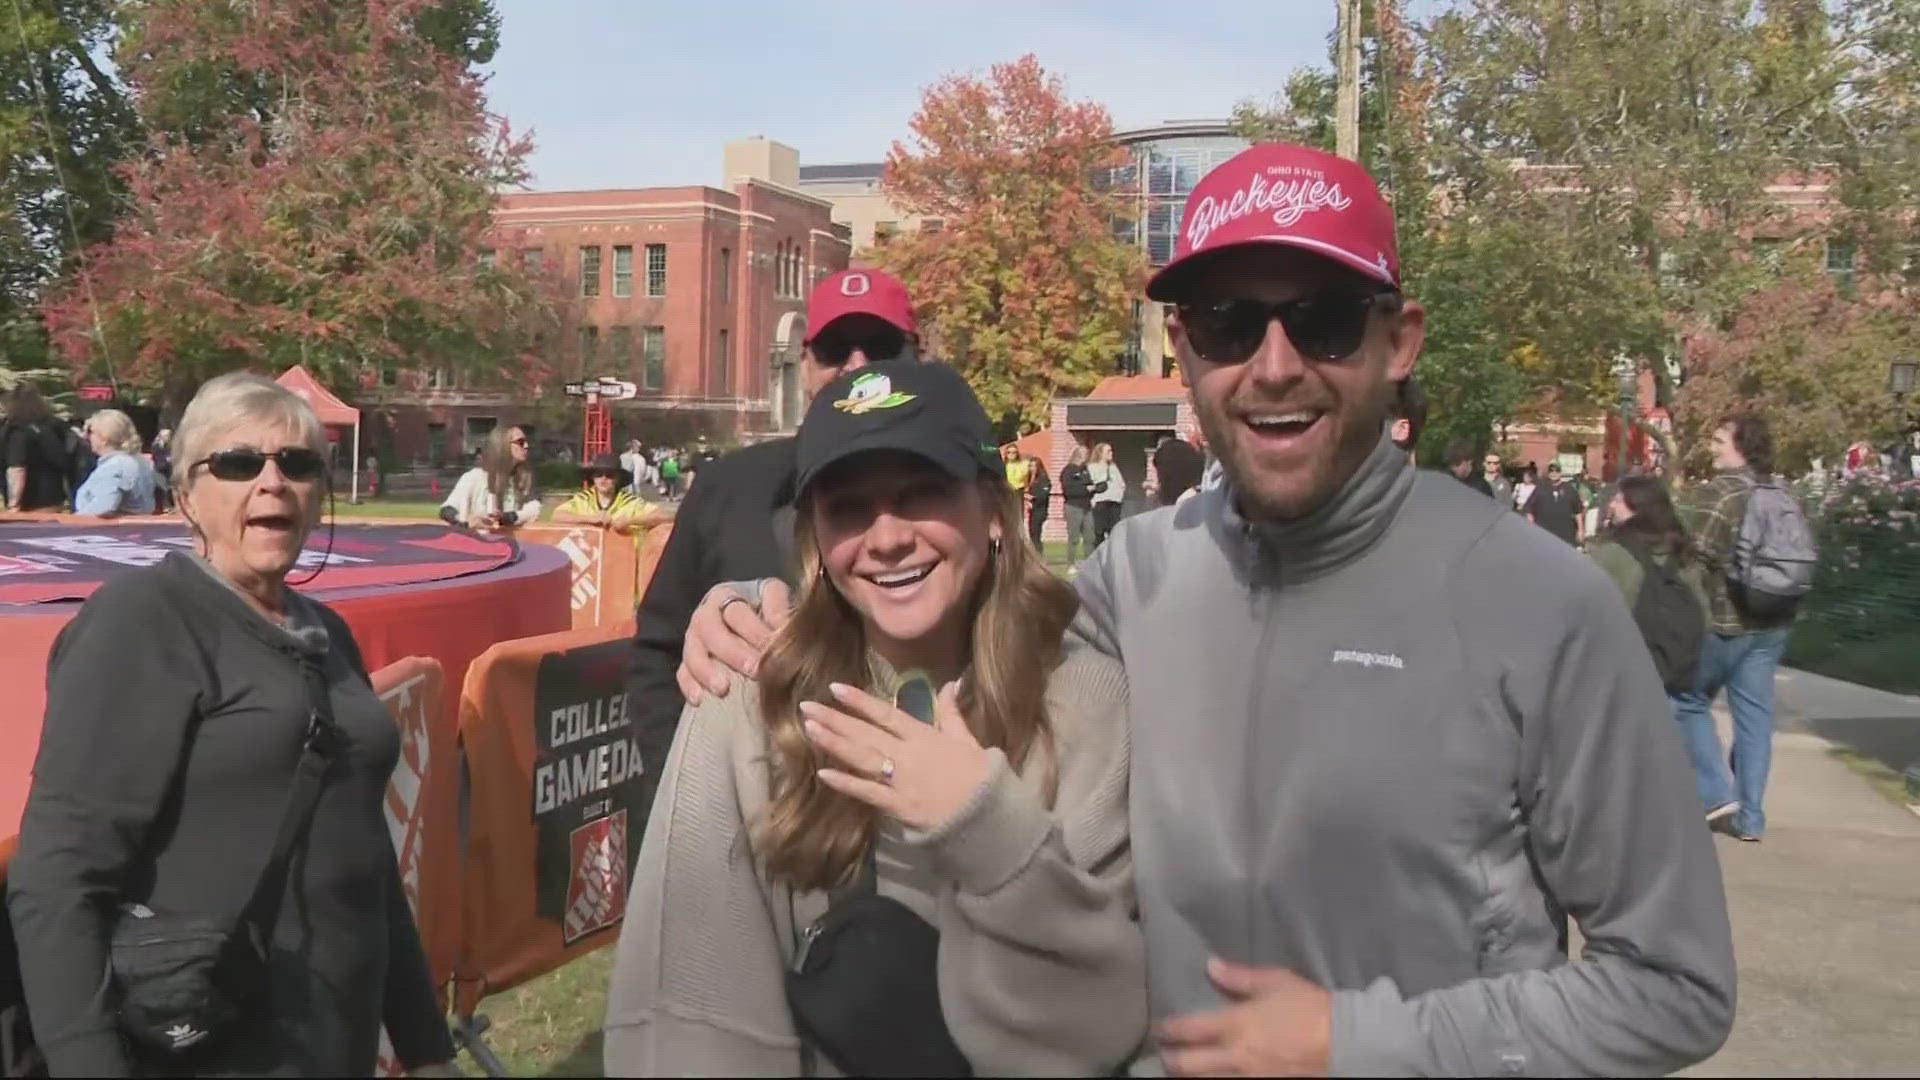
{"points": [[331, 410]]}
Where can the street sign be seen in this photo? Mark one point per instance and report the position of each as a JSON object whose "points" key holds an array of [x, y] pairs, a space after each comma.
{"points": [[95, 392], [608, 388]]}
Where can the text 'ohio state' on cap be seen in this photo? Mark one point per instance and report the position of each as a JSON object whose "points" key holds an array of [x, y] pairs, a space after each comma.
{"points": [[1277, 193], [859, 292]]}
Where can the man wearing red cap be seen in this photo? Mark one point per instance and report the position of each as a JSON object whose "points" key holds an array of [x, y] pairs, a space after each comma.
{"points": [[1386, 736], [737, 521]]}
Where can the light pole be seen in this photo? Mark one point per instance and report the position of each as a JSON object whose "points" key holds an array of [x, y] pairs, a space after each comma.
{"points": [[1901, 376]]}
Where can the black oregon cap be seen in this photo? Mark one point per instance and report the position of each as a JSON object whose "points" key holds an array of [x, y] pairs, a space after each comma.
{"points": [[923, 409]]}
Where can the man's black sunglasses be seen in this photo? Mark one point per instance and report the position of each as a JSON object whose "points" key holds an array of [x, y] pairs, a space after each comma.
{"points": [[1328, 325], [295, 462], [832, 349]]}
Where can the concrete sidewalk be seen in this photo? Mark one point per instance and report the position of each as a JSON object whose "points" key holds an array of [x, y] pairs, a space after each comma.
{"points": [[1826, 909]]}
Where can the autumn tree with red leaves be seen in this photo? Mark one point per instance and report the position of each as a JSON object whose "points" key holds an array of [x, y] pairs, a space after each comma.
{"points": [[1024, 287], [325, 205], [1811, 359]]}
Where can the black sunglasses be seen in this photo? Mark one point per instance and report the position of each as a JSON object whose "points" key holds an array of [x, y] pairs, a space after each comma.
{"points": [[295, 462], [890, 343], [1328, 325]]}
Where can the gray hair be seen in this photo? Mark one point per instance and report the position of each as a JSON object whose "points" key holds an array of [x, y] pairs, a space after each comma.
{"points": [[235, 400], [115, 429]]}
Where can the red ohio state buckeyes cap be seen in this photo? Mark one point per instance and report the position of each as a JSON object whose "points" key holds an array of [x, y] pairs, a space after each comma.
{"points": [[1277, 193], [859, 292]]}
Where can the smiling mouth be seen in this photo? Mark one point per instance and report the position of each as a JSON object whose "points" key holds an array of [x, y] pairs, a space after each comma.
{"points": [[1282, 424], [280, 522], [900, 579]]}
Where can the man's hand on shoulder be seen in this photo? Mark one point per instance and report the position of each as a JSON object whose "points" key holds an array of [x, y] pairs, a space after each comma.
{"points": [[727, 635]]}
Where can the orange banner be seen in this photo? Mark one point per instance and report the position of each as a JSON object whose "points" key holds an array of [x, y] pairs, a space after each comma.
{"points": [[556, 807], [606, 564], [423, 813]]}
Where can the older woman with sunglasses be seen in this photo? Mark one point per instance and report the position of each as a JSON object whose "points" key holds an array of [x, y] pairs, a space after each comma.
{"points": [[181, 702]]}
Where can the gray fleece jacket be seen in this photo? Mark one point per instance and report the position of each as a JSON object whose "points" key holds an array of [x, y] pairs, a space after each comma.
{"points": [[1393, 747]]}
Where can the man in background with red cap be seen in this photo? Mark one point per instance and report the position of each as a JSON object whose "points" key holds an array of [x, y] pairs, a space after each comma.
{"points": [[1386, 736], [737, 521]]}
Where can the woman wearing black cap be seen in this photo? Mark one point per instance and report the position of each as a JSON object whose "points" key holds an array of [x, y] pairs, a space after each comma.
{"points": [[604, 500], [990, 814]]}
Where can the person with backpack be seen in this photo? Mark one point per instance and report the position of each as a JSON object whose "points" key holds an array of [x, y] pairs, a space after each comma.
{"points": [[1759, 554], [1650, 558]]}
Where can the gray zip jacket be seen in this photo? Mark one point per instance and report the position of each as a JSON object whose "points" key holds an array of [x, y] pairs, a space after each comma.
{"points": [[1393, 747]]}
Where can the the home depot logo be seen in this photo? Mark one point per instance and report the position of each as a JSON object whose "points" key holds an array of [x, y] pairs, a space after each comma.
{"points": [[597, 888], [584, 554]]}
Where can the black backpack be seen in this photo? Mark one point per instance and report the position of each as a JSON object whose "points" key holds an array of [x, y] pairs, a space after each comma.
{"points": [[1670, 618]]}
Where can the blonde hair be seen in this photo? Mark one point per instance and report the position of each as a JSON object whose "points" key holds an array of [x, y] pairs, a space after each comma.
{"points": [[1079, 456], [813, 837], [1103, 453], [235, 400], [115, 429]]}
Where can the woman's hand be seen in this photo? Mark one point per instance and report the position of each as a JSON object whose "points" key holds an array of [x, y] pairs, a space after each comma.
{"points": [[920, 774]]}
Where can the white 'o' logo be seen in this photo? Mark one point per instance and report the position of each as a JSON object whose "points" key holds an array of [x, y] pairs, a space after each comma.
{"points": [[856, 285]]}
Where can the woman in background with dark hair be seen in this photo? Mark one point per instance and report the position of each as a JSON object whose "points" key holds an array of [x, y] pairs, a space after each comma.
{"points": [[1648, 537], [34, 454]]}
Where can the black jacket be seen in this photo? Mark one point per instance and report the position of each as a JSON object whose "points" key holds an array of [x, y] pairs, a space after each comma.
{"points": [[735, 525], [1040, 488], [1076, 486], [164, 784]]}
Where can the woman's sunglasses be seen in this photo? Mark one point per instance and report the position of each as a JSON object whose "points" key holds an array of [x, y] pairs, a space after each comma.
{"points": [[295, 462], [1325, 326], [833, 349]]}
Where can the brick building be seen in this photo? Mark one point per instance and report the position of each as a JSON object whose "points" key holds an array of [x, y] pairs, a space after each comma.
{"points": [[695, 294]]}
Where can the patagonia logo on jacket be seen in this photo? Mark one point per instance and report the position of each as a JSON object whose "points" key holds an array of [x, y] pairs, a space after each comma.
{"points": [[1368, 659]]}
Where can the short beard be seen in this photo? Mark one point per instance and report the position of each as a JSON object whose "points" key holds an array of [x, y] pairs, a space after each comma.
{"points": [[1249, 497]]}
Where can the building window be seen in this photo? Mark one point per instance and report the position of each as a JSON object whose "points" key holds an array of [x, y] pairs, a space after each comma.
{"points": [[486, 258], [933, 225], [653, 357], [534, 259], [722, 365], [590, 271], [436, 443], [623, 270], [656, 269], [589, 350], [780, 286], [1840, 258], [726, 274], [620, 351]]}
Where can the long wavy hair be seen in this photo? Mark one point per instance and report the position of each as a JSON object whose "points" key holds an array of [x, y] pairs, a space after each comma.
{"points": [[813, 837], [504, 475]]}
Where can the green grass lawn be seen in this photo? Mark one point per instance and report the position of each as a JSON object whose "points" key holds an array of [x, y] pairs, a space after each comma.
{"points": [[550, 1026], [379, 508]]}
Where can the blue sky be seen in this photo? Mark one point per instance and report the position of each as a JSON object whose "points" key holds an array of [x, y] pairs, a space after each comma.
{"points": [[634, 93]]}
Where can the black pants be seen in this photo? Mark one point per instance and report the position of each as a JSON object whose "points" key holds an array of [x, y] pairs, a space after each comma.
{"points": [[1105, 516], [1036, 520]]}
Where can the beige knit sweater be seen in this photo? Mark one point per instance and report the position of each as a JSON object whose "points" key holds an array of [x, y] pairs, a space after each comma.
{"points": [[1042, 968]]}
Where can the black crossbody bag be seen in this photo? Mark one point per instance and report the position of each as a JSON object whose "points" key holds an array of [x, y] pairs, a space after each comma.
{"points": [[864, 986], [183, 981]]}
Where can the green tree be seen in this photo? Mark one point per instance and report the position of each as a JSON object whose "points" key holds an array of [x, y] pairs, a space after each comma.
{"points": [[65, 126], [1808, 357], [1024, 288]]}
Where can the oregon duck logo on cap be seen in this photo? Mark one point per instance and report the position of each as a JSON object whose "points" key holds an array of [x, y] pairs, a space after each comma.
{"points": [[869, 392]]}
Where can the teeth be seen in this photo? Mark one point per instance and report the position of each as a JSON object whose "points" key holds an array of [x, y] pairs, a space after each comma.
{"points": [[901, 577], [1306, 417]]}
